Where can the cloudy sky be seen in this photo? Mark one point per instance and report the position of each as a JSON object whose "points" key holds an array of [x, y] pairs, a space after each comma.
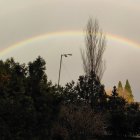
{"points": [[29, 28]]}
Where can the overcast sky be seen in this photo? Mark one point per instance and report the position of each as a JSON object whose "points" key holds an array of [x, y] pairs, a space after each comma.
{"points": [[24, 19]]}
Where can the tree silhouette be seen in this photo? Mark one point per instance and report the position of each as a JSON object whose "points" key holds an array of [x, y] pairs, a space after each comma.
{"points": [[31, 107], [95, 46], [91, 91]]}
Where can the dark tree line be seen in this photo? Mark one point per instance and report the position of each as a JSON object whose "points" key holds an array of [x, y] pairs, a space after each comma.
{"points": [[28, 102], [31, 107]]}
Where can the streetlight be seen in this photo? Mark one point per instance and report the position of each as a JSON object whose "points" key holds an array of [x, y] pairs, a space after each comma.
{"points": [[65, 55]]}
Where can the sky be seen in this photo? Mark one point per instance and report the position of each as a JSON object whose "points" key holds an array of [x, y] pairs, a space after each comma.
{"points": [[49, 28]]}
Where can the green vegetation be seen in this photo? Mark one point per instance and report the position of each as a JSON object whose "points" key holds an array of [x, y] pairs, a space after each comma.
{"points": [[125, 92], [129, 92], [120, 87], [31, 107], [28, 106]]}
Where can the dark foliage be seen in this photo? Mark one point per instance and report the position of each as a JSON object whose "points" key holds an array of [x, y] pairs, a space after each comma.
{"points": [[28, 106], [32, 108], [123, 118]]}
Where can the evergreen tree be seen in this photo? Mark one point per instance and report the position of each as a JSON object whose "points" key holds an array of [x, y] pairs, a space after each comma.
{"points": [[91, 91], [114, 92], [128, 87], [120, 87], [128, 92]]}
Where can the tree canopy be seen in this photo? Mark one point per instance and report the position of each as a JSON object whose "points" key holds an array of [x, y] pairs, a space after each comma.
{"points": [[31, 107]]}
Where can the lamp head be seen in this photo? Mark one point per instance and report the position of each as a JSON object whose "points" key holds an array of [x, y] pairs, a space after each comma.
{"points": [[69, 54], [66, 55]]}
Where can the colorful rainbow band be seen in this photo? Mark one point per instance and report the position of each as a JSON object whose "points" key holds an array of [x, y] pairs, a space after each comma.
{"points": [[62, 34]]}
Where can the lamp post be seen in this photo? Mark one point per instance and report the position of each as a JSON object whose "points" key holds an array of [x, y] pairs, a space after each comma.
{"points": [[65, 55]]}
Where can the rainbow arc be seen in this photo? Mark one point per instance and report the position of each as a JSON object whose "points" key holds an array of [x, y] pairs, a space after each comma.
{"points": [[63, 34]]}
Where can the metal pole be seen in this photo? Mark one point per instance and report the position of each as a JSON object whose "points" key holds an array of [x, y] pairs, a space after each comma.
{"points": [[66, 55], [60, 70]]}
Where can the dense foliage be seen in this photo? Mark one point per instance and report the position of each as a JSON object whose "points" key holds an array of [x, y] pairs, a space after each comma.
{"points": [[28, 102], [32, 108]]}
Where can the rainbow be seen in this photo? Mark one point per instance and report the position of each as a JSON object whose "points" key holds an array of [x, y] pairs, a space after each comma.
{"points": [[62, 34]]}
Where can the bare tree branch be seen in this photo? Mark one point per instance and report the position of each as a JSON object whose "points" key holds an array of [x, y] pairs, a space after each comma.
{"points": [[95, 46]]}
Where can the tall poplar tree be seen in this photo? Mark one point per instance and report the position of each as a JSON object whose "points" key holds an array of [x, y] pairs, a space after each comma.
{"points": [[95, 46]]}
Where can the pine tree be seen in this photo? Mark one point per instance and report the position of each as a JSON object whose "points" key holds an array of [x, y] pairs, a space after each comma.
{"points": [[128, 87], [120, 85], [120, 89], [114, 92], [128, 92]]}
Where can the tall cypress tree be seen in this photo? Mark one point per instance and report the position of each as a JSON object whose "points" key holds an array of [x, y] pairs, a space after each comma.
{"points": [[120, 89], [128, 87], [129, 91], [120, 85]]}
